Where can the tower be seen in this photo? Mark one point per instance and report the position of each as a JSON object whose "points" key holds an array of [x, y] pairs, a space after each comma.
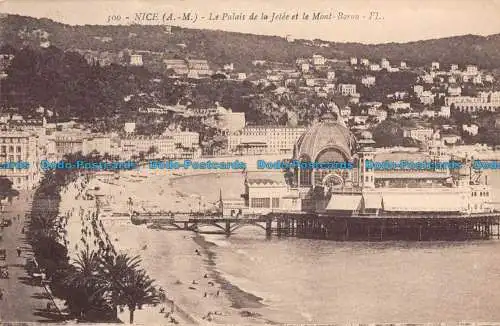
{"points": [[464, 173], [221, 203], [366, 174]]}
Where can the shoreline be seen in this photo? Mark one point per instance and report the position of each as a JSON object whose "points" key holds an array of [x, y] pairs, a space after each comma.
{"points": [[239, 299], [200, 293]]}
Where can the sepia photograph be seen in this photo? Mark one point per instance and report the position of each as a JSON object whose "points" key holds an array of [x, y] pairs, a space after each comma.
{"points": [[250, 163]]}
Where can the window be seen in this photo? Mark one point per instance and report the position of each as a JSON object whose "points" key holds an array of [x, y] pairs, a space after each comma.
{"points": [[11, 149], [18, 149], [260, 202], [276, 202], [305, 177]]}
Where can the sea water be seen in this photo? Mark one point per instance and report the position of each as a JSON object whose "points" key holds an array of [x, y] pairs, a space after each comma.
{"points": [[322, 281]]}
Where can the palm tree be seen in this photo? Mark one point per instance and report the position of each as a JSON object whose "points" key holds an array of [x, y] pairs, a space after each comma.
{"points": [[85, 283], [137, 290], [44, 226], [86, 268], [115, 270], [127, 284]]}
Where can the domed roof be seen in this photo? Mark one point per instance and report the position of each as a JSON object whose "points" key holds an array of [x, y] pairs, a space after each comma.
{"points": [[325, 141]]}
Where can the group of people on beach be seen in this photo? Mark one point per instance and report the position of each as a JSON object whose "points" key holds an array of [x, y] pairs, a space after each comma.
{"points": [[210, 315], [167, 314]]}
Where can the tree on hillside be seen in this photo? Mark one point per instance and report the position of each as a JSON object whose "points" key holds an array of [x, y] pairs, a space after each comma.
{"points": [[388, 133]]}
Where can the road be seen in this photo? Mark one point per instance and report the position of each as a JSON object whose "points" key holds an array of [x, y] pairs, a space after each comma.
{"points": [[23, 300]]}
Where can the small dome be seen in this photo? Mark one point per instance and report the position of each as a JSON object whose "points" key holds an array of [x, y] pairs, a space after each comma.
{"points": [[325, 142]]}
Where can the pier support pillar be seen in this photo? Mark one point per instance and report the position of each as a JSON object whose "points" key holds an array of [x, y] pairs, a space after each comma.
{"points": [[346, 234], [498, 227], [269, 230]]}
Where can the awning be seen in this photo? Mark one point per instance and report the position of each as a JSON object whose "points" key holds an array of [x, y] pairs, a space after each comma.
{"points": [[412, 174], [344, 203], [430, 202], [267, 177], [372, 201]]}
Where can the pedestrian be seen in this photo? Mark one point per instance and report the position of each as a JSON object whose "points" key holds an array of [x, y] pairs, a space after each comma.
{"points": [[18, 252]]}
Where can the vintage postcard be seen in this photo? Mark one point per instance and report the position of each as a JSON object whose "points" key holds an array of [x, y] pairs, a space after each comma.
{"points": [[250, 162]]}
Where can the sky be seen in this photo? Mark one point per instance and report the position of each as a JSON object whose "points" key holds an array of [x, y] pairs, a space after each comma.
{"points": [[398, 20]]}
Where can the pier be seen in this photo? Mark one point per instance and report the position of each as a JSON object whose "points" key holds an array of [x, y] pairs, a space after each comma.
{"points": [[341, 228]]}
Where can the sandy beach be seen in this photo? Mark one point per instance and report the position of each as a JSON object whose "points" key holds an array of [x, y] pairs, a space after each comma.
{"points": [[181, 262], [189, 278]]}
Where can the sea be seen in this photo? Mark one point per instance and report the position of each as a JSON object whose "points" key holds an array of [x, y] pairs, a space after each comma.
{"points": [[322, 281]]}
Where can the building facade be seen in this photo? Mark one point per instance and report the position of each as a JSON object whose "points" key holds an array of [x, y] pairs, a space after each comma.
{"points": [[347, 89], [264, 140], [20, 147], [485, 101]]}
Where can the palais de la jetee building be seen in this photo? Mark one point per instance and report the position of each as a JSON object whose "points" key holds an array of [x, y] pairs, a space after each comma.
{"points": [[361, 191]]}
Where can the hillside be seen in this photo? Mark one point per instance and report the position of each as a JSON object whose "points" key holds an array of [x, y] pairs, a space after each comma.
{"points": [[221, 47]]}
